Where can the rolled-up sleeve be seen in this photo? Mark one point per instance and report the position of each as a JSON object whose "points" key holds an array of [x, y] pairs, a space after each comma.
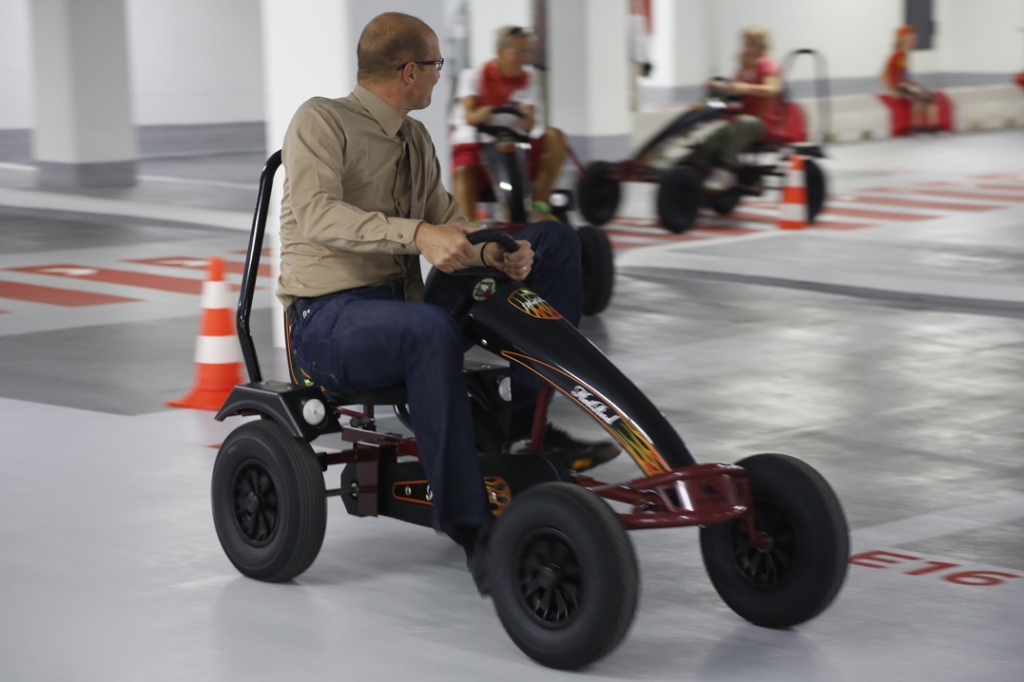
{"points": [[313, 155]]}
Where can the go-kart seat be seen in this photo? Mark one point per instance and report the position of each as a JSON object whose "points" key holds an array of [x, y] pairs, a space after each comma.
{"points": [[388, 395]]}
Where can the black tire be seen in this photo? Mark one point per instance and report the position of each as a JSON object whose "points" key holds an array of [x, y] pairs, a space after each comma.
{"points": [[269, 503], [563, 575], [814, 178], [723, 203], [598, 194], [598, 268], [801, 573], [679, 198]]}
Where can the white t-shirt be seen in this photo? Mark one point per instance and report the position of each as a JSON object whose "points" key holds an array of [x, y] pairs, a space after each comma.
{"points": [[469, 86]]}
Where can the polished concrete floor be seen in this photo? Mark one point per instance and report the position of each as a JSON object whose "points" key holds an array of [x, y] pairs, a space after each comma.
{"points": [[885, 346]]}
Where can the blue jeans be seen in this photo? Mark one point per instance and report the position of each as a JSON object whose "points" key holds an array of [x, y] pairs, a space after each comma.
{"points": [[371, 337]]}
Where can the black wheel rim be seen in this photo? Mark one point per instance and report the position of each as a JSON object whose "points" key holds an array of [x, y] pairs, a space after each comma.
{"points": [[255, 502], [770, 567], [550, 583]]}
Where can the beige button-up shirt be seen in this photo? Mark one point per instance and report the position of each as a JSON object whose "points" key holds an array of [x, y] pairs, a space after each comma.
{"points": [[359, 179]]}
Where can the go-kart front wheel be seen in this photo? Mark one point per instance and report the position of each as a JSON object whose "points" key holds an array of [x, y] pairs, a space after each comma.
{"points": [[598, 269], [598, 193], [680, 194], [563, 575], [814, 178], [800, 570], [269, 503]]}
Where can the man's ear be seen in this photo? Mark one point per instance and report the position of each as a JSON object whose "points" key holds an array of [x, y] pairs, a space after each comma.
{"points": [[409, 74]]}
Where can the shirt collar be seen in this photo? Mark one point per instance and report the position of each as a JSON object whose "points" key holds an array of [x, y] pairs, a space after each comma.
{"points": [[385, 114]]}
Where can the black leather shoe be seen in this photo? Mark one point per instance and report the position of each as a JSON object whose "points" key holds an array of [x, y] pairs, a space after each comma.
{"points": [[576, 454]]}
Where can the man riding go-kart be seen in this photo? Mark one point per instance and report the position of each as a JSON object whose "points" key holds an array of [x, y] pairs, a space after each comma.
{"points": [[718, 150], [362, 201], [538, 535]]}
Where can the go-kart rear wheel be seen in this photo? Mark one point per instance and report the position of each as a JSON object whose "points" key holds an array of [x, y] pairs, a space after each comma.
{"points": [[563, 575], [814, 178], [679, 197], [800, 571], [598, 269], [269, 504], [598, 194]]}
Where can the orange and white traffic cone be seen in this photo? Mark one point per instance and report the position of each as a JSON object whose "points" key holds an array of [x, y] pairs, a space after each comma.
{"points": [[218, 356], [793, 210]]}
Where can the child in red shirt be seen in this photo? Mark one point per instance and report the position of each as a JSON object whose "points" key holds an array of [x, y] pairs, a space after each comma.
{"points": [[758, 82], [924, 110], [505, 81]]}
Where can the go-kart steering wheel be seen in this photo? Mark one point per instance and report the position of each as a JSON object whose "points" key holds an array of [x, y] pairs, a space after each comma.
{"points": [[504, 131], [503, 238], [508, 110]]}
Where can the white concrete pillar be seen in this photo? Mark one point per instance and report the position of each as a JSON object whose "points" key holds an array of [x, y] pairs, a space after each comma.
{"points": [[84, 135], [588, 75], [684, 44], [307, 52]]}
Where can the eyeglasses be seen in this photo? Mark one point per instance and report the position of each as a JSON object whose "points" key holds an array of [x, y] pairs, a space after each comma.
{"points": [[436, 62]]}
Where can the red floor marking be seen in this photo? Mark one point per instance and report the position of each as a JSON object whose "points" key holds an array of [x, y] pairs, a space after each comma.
{"points": [[877, 215], [233, 267], [1005, 187], [635, 222], [62, 297], [838, 225], [1001, 176], [264, 252], [727, 230], [956, 194], [617, 245], [179, 285], [909, 203]]}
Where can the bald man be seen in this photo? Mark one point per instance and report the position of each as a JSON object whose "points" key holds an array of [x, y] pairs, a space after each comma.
{"points": [[362, 201]]}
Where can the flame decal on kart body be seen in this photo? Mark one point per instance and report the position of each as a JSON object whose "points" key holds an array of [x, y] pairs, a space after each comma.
{"points": [[630, 436], [499, 495], [533, 305]]}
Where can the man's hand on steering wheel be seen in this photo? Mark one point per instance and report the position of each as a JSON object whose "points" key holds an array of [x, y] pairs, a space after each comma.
{"points": [[516, 266], [445, 246]]}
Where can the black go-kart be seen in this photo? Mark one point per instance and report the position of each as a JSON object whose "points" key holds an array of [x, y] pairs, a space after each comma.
{"points": [[664, 160], [562, 570], [504, 159]]}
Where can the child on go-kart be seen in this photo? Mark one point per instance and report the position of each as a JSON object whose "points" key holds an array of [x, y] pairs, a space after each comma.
{"points": [[505, 81], [759, 84], [924, 110]]}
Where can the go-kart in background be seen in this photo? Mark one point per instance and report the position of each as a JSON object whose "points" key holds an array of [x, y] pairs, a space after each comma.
{"points": [[887, 356]]}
